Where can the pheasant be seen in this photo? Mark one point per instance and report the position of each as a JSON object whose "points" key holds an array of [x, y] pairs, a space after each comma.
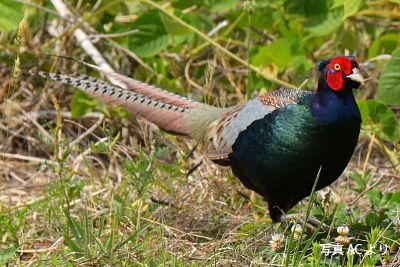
{"points": [[276, 144]]}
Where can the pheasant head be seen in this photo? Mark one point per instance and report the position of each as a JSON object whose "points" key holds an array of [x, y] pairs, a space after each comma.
{"points": [[334, 101], [341, 73]]}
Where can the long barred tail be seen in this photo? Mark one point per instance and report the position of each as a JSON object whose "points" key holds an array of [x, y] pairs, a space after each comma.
{"points": [[167, 110]]}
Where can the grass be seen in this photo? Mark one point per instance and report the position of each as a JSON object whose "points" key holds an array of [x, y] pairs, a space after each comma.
{"points": [[106, 189]]}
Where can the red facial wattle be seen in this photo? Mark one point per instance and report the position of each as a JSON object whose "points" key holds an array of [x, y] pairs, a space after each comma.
{"points": [[335, 79], [336, 70]]}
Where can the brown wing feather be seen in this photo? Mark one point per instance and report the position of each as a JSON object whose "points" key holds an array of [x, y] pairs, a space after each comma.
{"points": [[224, 131]]}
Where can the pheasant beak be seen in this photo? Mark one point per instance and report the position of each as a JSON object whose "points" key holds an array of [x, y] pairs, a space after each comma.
{"points": [[356, 76]]}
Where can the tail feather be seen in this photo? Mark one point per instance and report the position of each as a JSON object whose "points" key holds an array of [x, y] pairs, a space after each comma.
{"points": [[171, 112], [149, 90], [170, 117]]}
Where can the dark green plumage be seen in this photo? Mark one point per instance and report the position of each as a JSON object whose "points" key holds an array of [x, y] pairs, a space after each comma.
{"points": [[279, 156]]}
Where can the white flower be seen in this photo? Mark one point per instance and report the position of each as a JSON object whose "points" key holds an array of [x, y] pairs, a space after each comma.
{"points": [[297, 229], [343, 230], [277, 242]]}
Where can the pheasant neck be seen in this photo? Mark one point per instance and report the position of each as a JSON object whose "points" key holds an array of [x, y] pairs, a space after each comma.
{"points": [[331, 107]]}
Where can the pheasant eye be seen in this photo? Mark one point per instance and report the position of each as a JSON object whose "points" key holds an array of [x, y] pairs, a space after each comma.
{"points": [[336, 66]]}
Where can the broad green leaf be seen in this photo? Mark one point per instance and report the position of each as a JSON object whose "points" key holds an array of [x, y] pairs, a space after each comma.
{"points": [[389, 82], [278, 52], [395, 197], [326, 23], [385, 44], [373, 220], [177, 32], [381, 119], [152, 37], [261, 18], [395, 1], [12, 13], [338, 3], [172, 27], [300, 63], [298, 60], [350, 6], [320, 18], [82, 104], [308, 8]]}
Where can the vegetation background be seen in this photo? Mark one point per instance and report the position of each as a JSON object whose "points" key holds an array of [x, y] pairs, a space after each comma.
{"points": [[84, 184]]}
